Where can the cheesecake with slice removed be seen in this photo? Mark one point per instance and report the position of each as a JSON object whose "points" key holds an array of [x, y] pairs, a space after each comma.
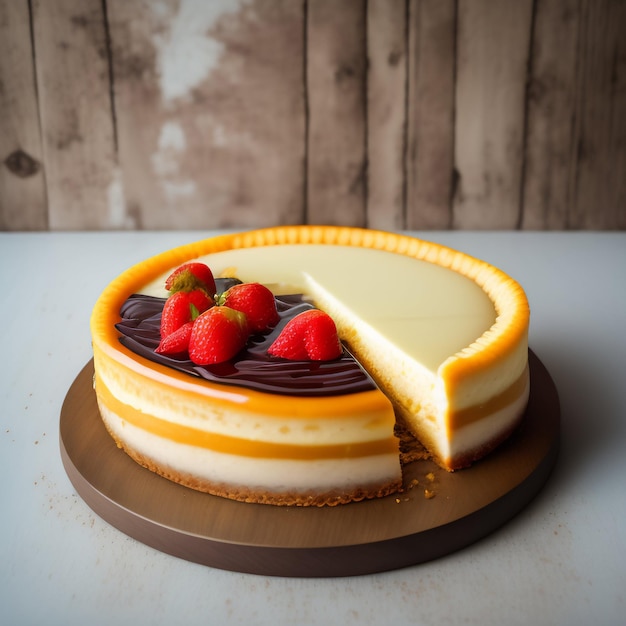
{"points": [[433, 340]]}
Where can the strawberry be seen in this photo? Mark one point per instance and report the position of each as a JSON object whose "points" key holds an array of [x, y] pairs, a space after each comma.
{"points": [[190, 276], [310, 336], [182, 307], [176, 342], [217, 335], [256, 301]]}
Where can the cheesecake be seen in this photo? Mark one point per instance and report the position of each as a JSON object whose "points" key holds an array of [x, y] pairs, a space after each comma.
{"points": [[434, 342]]}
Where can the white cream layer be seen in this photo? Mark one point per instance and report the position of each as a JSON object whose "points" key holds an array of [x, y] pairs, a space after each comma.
{"points": [[273, 475], [206, 416], [474, 435]]}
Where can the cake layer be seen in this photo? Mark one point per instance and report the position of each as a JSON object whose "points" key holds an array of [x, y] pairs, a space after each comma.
{"points": [[275, 480], [186, 416]]}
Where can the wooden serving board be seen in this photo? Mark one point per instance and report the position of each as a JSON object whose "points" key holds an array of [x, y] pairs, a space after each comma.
{"points": [[358, 538]]}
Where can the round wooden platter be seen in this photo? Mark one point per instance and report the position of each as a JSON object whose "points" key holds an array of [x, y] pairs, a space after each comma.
{"points": [[358, 538]]}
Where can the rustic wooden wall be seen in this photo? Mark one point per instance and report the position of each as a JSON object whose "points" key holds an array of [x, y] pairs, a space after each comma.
{"points": [[421, 114]]}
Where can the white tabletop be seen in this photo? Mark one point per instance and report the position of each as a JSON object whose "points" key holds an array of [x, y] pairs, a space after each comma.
{"points": [[561, 561]]}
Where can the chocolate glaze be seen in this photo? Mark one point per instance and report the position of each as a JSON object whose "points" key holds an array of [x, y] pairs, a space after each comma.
{"points": [[252, 368]]}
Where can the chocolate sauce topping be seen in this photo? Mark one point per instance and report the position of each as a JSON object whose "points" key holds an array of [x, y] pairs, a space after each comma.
{"points": [[252, 368]]}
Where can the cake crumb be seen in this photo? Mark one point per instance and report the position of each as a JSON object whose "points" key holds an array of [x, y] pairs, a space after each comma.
{"points": [[428, 494], [410, 448]]}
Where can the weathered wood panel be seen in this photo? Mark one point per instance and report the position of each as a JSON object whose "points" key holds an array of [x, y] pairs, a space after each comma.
{"points": [[576, 155], [23, 204], [386, 113], [336, 68], [550, 163], [430, 130], [420, 114], [75, 110], [492, 60], [210, 111], [600, 183]]}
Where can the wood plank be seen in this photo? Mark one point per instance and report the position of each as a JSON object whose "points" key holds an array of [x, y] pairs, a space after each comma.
{"points": [[550, 163], [492, 60], [23, 204], [386, 113], [76, 117], [430, 157], [210, 111], [212, 120], [600, 194], [336, 149]]}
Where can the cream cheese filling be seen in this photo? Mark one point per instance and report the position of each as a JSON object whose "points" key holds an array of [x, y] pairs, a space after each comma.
{"points": [[436, 314], [275, 475], [196, 413]]}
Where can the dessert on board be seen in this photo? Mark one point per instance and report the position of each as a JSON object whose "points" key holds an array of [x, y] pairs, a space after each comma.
{"points": [[279, 365]]}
